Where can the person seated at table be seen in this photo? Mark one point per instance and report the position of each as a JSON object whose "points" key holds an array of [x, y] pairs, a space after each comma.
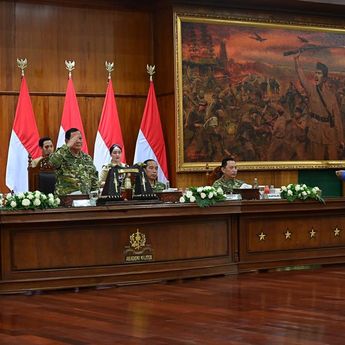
{"points": [[47, 147], [151, 170], [116, 154], [228, 181], [75, 170]]}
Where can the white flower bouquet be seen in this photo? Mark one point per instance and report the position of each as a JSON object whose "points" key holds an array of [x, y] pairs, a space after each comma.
{"points": [[28, 201], [293, 192], [203, 196]]}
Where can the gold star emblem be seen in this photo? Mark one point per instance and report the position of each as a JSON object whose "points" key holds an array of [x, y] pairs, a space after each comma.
{"points": [[262, 236], [337, 231], [287, 234], [312, 233]]}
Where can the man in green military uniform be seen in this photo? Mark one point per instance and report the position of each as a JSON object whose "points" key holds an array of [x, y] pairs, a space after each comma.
{"points": [[151, 170], [75, 170], [228, 181]]}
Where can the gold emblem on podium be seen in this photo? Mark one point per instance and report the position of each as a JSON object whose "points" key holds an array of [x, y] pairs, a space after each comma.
{"points": [[138, 249], [137, 240]]}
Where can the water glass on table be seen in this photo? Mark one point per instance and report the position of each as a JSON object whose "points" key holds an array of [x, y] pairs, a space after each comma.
{"points": [[93, 195]]}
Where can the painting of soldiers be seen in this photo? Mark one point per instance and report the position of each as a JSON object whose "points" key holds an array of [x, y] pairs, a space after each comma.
{"points": [[254, 98]]}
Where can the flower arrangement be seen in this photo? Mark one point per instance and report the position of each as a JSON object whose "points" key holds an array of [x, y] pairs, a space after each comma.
{"points": [[293, 192], [28, 201], [203, 196]]}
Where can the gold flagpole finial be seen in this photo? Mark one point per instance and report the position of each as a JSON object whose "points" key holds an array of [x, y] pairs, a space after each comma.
{"points": [[22, 64], [151, 70], [109, 66], [70, 66]]}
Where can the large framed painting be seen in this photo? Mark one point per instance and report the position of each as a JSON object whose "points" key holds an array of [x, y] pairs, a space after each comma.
{"points": [[271, 94]]}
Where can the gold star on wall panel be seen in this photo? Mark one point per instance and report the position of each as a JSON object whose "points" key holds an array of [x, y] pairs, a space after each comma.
{"points": [[287, 234], [312, 233], [262, 236], [337, 232]]}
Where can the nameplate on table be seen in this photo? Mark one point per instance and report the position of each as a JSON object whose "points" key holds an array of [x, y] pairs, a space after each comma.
{"points": [[81, 203], [273, 196]]}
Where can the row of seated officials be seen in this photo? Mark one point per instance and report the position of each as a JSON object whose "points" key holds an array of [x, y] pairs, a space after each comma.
{"points": [[54, 171], [64, 171]]}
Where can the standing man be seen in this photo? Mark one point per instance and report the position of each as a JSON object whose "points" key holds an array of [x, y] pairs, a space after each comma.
{"points": [[325, 128], [75, 170], [47, 147]]}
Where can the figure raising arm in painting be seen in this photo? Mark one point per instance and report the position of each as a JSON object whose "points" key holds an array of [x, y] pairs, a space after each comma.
{"points": [[325, 128]]}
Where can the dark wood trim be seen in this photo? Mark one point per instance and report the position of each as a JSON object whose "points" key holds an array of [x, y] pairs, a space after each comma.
{"points": [[74, 247], [310, 7]]}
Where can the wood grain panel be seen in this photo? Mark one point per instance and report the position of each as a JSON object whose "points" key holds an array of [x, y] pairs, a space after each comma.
{"points": [[291, 238], [48, 34], [84, 246], [300, 228], [166, 106]]}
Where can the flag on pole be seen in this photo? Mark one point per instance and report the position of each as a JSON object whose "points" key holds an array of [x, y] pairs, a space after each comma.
{"points": [[71, 116], [109, 131], [150, 142], [23, 142]]}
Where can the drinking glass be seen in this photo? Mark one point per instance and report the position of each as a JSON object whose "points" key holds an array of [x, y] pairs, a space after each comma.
{"points": [[93, 195]]}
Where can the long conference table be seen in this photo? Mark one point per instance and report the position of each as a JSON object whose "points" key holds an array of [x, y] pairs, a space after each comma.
{"points": [[133, 244]]}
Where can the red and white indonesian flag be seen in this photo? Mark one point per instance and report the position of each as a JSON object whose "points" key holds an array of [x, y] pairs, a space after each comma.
{"points": [[23, 142], [71, 116], [109, 131], [150, 142]]}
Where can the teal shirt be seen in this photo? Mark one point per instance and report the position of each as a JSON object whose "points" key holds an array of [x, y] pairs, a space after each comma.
{"points": [[73, 173]]}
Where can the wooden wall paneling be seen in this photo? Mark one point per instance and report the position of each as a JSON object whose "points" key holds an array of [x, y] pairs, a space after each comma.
{"points": [[36, 33], [270, 177], [90, 36], [7, 24], [166, 106], [164, 80], [6, 72], [164, 49], [48, 112], [133, 49]]}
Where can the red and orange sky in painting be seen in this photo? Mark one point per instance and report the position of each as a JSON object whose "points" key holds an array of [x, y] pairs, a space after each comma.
{"points": [[242, 46]]}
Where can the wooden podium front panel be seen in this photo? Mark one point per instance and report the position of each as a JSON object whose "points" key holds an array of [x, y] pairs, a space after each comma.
{"points": [[103, 243], [89, 246]]}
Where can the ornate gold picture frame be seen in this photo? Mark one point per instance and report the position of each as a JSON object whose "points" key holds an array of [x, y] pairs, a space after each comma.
{"points": [[271, 94]]}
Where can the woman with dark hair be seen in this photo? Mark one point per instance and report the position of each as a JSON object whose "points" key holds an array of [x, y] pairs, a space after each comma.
{"points": [[116, 154]]}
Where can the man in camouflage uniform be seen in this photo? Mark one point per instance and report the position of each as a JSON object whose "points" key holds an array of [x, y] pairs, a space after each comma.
{"points": [[151, 170], [228, 182], [75, 170]]}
